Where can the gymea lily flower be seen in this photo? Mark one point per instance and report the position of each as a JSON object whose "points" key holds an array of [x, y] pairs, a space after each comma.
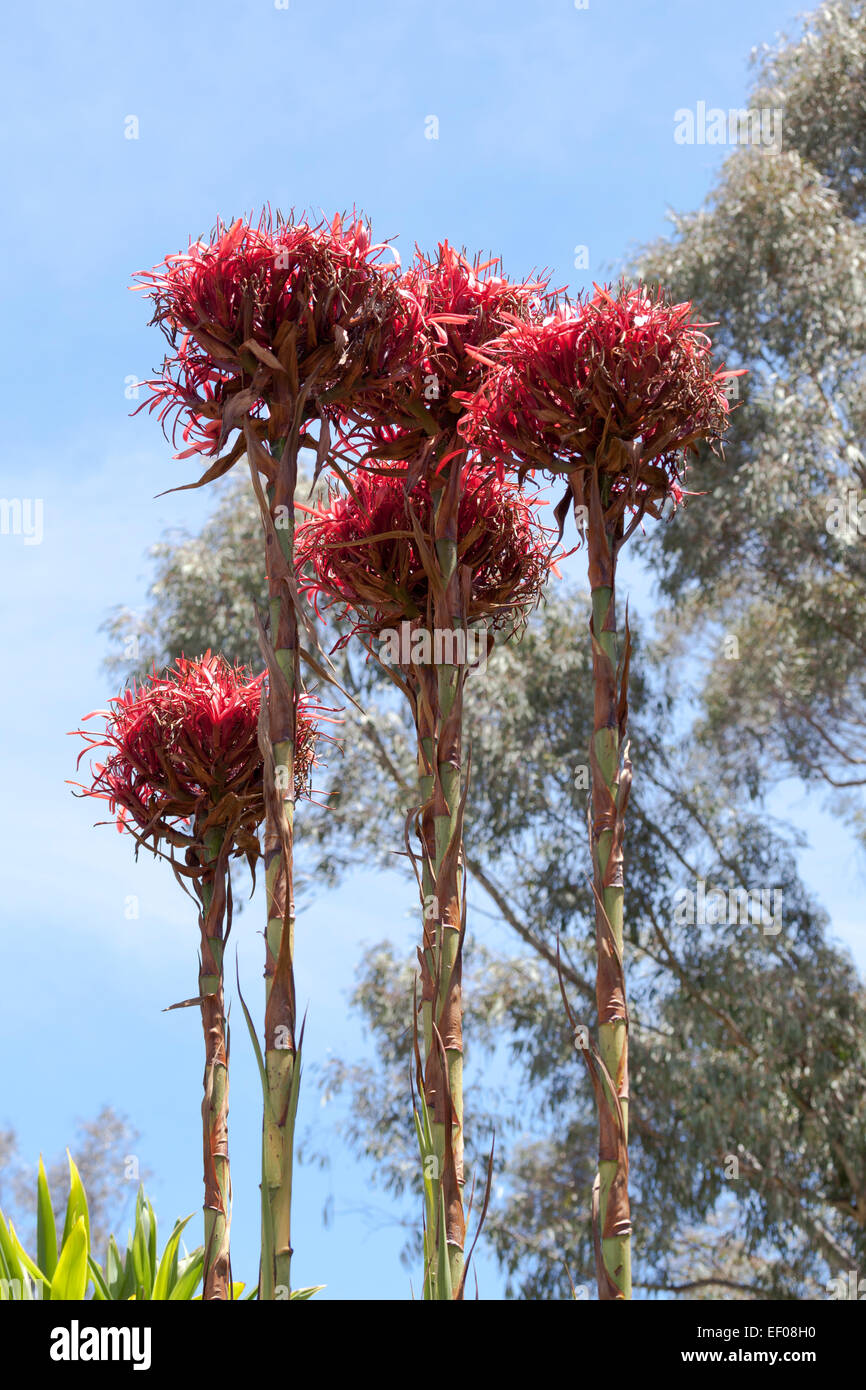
{"points": [[183, 772], [447, 308], [622, 386], [271, 327], [612, 393], [255, 314], [370, 552]]}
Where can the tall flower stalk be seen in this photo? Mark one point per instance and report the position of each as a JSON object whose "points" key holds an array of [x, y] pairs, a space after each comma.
{"points": [[611, 393], [370, 550], [184, 773], [266, 323], [448, 307]]}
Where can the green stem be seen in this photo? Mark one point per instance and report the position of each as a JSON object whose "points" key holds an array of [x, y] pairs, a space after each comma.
{"points": [[280, 1036], [614, 1224], [442, 781], [432, 1134], [215, 1104]]}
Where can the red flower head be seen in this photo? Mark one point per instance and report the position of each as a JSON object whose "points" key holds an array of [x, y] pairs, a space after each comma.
{"points": [[184, 751], [259, 315], [369, 551], [621, 384], [446, 307]]}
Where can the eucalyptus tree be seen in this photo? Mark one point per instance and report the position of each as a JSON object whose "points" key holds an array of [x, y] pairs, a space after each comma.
{"points": [[770, 577]]}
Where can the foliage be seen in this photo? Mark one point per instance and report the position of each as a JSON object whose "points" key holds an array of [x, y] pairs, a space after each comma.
{"points": [[778, 560], [103, 1145], [64, 1266]]}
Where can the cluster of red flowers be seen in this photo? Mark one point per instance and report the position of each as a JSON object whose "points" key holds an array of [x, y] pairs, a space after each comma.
{"points": [[621, 382], [278, 301], [184, 746], [370, 549], [447, 307]]}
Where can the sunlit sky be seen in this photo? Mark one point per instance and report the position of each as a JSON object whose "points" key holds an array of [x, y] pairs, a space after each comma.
{"points": [[555, 131]]}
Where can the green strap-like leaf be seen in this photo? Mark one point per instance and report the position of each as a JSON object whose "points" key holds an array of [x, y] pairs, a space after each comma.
{"points": [[46, 1227], [5, 1276], [72, 1274], [113, 1268], [76, 1207], [267, 1230], [127, 1284], [11, 1262], [166, 1275], [24, 1259], [184, 1289], [140, 1256], [151, 1240], [101, 1291]]}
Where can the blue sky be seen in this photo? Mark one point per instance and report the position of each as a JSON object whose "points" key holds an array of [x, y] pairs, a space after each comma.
{"points": [[555, 130]]}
